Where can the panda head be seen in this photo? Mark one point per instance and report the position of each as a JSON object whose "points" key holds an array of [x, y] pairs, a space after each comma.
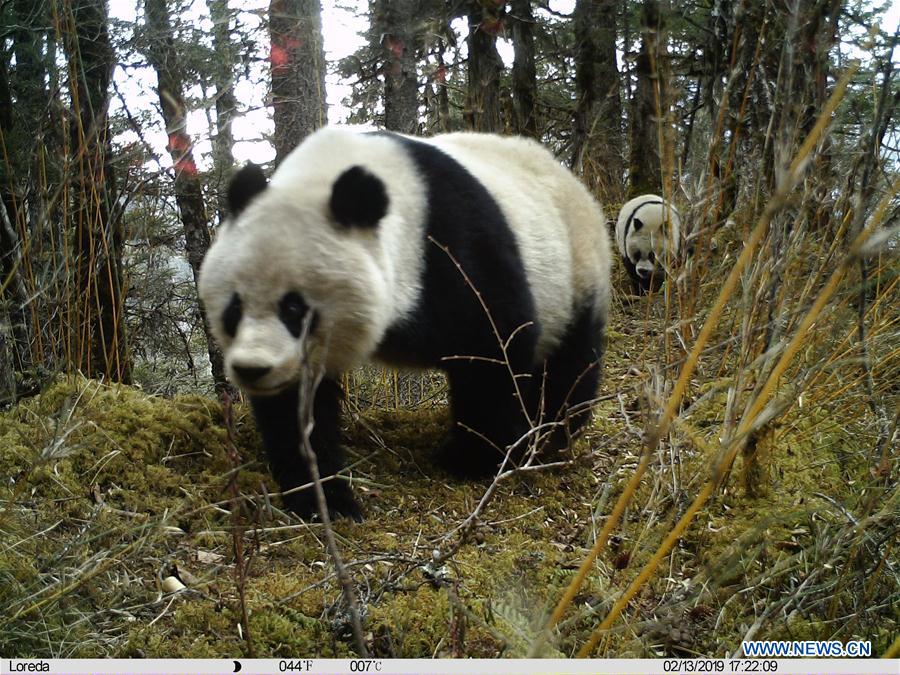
{"points": [[647, 232], [296, 258], [645, 247]]}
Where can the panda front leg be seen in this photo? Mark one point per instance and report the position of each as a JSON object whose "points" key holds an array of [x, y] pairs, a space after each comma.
{"points": [[277, 420]]}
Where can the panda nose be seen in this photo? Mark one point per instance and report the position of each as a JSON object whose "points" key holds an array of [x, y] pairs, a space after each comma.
{"points": [[250, 374]]}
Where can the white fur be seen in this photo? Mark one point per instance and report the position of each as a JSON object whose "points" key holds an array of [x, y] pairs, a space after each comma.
{"points": [[660, 233], [361, 281], [559, 228]]}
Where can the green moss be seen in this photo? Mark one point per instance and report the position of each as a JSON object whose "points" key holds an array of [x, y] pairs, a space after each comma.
{"points": [[413, 623], [122, 484]]}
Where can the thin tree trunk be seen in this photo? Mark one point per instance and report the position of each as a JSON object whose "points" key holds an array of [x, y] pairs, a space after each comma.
{"points": [[817, 36], [23, 126], [485, 66], [442, 95], [523, 71], [188, 188], [297, 63], [396, 27], [226, 103], [12, 287], [646, 158], [100, 348], [597, 149]]}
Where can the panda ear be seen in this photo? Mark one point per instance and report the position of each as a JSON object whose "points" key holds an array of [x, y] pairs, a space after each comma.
{"points": [[244, 186], [638, 224], [358, 198]]}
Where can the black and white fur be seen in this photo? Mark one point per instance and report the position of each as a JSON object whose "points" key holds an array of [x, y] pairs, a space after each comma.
{"points": [[647, 234], [353, 229]]}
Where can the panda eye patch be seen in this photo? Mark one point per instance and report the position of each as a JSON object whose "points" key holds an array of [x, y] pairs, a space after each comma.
{"points": [[292, 311], [231, 317], [651, 257]]}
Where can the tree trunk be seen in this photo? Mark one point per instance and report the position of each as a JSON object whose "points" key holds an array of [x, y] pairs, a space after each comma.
{"points": [[396, 28], [297, 62], [188, 188], [442, 95], [485, 66], [523, 71], [226, 103], [646, 158], [100, 348], [818, 35], [13, 293], [597, 148], [24, 172]]}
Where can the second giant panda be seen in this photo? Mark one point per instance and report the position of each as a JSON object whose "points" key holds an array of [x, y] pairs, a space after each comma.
{"points": [[475, 254], [647, 232]]}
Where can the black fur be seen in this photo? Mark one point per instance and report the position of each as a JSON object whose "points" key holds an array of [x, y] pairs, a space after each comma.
{"points": [[231, 317], [640, 285], [450, 325], [358, 198], [278, 423], [292, 309], [244, 186], [643, 285], [570, 377], [637, 222], [451, 330]]}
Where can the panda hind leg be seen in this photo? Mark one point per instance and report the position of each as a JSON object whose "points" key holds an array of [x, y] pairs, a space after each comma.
{"points": [[567, 382], [487, 418]]}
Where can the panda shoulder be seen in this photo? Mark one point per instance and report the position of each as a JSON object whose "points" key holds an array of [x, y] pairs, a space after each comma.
{"points": [[512, 148]]}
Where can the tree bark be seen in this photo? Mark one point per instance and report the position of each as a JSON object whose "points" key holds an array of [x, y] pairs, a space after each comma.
{"points": [[597, 148], [523, 71], [818, 35], [646, 157], [297, 62], [188, 187], [100, 348], [485, 66], [396, 29], [226, 103], [13, 294]]}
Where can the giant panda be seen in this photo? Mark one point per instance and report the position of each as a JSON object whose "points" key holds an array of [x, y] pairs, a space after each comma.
{"points": [[476, 254], [647, 231]]}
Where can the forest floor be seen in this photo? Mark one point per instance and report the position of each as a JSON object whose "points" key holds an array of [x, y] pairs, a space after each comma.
{"points": [[111, 493]]}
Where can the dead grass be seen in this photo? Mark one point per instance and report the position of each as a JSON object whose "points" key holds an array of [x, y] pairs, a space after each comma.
{"points": [[746, 442], [114, 490]]}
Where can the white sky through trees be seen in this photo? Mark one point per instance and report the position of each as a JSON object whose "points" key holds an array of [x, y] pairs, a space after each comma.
{"points": [[343, 26]]}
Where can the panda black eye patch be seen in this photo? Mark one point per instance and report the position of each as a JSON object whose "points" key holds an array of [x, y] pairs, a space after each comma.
{"points": [[292, 311], [231, 317]]}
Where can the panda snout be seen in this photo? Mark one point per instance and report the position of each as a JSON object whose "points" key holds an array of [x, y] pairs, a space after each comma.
{"points": [[644, 272], [250, 374]]}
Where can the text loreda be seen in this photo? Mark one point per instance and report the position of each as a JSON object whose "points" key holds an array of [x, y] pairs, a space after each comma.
{"points": [[29, 667]]}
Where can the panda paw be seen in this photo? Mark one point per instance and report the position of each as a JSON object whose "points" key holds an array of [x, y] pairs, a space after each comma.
{"points": [[338, 497], [466, 456]]}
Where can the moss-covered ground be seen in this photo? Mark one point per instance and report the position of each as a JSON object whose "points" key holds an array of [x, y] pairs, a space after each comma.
{"points": [[108, 493]]}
